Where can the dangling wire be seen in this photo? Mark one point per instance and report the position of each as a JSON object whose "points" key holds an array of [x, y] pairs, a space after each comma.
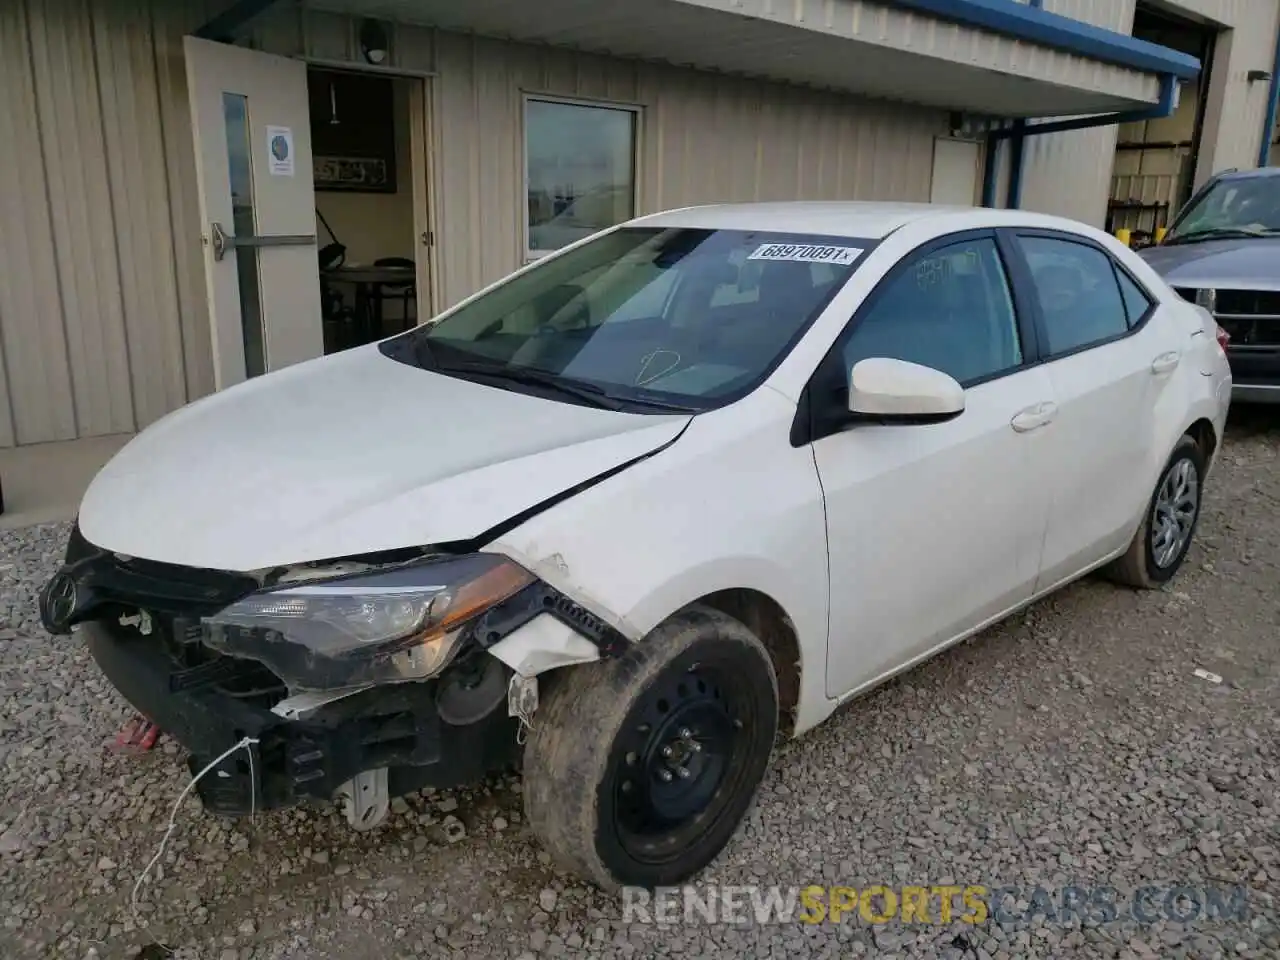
{"points": [[244, 744], [517, 707]]}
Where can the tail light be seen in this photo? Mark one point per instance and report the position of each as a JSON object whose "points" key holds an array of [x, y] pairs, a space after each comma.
{"points": [[1224, 338]]}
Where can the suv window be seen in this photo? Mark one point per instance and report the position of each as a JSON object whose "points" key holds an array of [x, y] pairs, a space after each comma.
{"points": [[950, 309], [1234, 206], [1136, 300], [1079, 296]]}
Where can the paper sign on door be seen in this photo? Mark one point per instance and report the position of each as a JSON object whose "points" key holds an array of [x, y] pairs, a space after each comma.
{"points": [[280, 151]]}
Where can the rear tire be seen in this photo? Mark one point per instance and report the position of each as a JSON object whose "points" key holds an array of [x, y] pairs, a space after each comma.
{"points": [[1161, 543], [639, 769]]}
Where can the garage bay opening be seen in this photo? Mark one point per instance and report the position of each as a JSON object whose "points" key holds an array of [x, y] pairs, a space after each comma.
{"points": [[1155, 168]]}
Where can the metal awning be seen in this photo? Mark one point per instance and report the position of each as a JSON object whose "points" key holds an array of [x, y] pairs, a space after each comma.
{"points": [[995, 57]]}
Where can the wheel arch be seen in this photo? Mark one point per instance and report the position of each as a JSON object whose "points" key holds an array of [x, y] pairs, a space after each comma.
{"points": [[767, 619], [1205, 435], [792, 630]]}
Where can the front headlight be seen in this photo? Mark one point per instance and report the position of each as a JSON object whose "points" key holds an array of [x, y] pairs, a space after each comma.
{"points": [[1207, 299], [401, 623]]}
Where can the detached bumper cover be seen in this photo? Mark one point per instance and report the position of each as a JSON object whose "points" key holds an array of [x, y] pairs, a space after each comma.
{"points": [[397, 727]]}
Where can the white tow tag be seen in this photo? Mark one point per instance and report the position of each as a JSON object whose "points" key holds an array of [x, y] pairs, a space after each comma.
{"points": [[522, 697], [806, 253]]}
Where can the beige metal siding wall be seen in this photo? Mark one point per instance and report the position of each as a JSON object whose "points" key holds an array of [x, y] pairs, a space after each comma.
{"points": [[103, 319], [771, 141], [1069, 174], [1236, 108], [99, 311], [702, 138]]}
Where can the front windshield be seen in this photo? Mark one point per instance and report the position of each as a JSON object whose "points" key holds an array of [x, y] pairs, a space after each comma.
{"points": [[1246, 206], [643, 316]]}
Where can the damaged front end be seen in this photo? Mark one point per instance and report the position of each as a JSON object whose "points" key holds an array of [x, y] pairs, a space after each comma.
{"points": [[362, 679]]}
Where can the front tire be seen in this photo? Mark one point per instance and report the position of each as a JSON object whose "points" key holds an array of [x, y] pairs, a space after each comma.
{"points": [[639, 769], [1161, 543]]}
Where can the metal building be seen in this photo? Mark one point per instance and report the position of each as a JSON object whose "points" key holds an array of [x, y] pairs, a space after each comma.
{"points": [[145, 143]]}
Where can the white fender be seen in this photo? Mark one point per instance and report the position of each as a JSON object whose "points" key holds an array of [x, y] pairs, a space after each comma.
{"points": [[542, 644]]}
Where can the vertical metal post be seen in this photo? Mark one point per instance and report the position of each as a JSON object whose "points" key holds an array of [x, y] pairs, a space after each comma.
{"points": [[1017, 142], [990, 171], [1269, 123]]}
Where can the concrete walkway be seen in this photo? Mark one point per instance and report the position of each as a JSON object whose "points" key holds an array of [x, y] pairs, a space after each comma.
{"points": [[45, 482]]}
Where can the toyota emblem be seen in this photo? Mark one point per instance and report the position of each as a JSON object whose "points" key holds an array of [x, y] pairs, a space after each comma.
{"points": [[60, 601]]}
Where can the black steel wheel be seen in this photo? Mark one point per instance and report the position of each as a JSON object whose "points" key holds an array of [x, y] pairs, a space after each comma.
{"points": [[638, 770]]}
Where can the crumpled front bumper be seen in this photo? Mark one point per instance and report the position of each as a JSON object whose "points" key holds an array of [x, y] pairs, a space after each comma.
{"points": [[142, 621], [398, 727]]}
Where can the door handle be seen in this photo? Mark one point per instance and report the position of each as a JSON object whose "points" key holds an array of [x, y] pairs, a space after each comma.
{"points": [[223, 242], [1165, 362], [1034, 417]]}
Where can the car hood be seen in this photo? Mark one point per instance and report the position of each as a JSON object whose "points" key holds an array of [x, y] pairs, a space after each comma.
{"points": [[346, 455], [1249, 264]]}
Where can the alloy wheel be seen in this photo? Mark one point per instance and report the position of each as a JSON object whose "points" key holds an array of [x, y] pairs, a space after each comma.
{"points": [[1173, 515]]}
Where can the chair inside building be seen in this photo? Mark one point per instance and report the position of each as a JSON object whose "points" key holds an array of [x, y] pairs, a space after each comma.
{"points": [[364, 206]]}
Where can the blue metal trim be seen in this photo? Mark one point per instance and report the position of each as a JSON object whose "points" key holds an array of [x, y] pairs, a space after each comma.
{"points": [[1031, 23], [224, 26], [1269, 124], [1168, 86], [990, 171], [1013, 198]]}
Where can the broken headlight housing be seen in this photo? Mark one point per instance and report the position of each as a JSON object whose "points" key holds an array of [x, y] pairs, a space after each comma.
{"points": [[381, 626]]}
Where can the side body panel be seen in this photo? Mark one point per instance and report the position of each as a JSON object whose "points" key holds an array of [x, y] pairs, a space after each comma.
{"points": [[730, 505]]}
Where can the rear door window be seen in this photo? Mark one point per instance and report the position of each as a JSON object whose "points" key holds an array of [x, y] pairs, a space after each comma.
{"points": [[1080, 299], [1136, 300]]}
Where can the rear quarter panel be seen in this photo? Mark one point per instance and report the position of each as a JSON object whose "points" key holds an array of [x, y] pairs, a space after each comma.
{"points": [[1199, 390], [1201, 387]]}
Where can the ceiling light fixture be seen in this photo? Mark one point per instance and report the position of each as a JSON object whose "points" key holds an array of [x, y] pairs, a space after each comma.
{"points": [[373, 41]]}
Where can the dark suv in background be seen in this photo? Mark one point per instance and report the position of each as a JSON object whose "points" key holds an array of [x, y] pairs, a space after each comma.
{"points": [[1223, 252]]}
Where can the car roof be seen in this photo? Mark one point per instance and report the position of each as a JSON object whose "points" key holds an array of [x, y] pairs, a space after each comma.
{"points": [[869, 220], [1249, 174]]}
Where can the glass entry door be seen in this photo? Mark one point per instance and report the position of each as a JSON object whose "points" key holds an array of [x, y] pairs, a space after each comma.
{"points": [[250, 116]]}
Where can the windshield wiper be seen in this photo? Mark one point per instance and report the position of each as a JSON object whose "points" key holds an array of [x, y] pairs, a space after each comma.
{"points": [[1220, 233], [588, 393], [655, 404]]}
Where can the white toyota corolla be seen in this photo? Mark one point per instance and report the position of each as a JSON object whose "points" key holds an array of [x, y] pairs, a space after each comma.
{"points": [[629, 513]]}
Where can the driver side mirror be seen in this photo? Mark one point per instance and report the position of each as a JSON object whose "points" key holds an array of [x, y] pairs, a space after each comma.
{"points": [[896, 391]]}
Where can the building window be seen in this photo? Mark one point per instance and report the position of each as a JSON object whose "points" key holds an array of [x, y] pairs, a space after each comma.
{"points": [[579, 170]]}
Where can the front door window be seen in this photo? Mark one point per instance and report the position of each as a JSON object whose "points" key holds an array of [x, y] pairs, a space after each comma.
{"points": [[950, 310], [240, 163]]}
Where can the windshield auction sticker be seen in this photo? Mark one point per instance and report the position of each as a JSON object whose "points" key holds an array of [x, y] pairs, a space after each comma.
{"points": [[806, 253]]}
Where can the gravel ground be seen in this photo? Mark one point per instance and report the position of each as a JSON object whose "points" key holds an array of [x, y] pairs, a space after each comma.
{"points": [[1072, 744]]}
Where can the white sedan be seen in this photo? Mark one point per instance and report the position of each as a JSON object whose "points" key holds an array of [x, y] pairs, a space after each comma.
{"points": [[625, 515]]}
